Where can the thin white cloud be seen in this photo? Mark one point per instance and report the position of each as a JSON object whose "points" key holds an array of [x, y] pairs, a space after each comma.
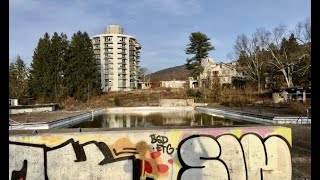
{"points": [[175, 7]]}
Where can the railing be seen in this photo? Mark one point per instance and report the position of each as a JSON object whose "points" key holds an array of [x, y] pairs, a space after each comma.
{"points": [[122, 62], [292, 120], [19, 124], [109, 77]]}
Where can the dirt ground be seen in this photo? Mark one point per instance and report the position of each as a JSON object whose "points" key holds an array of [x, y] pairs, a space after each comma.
{"points": [[301, 134], [301, 151]]}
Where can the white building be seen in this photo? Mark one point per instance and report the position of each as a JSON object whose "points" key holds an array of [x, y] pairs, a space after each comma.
{"points": [[117, 56], [173, 84]]}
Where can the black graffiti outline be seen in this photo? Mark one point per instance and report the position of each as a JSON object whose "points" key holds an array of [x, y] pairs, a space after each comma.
{"points": [[215, 138], [125, 152], [81, 156], [21, 173], [186, 167]]}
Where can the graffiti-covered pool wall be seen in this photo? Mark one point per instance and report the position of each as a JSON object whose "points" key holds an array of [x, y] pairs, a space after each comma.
{"points": [[203, 153]]}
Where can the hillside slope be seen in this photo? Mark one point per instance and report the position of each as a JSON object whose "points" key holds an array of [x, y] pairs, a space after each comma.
{"points": [[173, 73]]}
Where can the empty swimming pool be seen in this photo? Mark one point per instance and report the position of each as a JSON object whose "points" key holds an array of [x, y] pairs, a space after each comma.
{"points": [[156, 119]]}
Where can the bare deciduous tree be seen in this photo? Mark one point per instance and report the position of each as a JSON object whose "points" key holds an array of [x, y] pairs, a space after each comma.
{"points": [[303, 35], [143, 72], [286, 54], [250, 52], [290, 57]]}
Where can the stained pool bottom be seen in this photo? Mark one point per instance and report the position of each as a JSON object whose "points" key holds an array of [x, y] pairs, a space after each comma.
{"points": [[185, 118]]}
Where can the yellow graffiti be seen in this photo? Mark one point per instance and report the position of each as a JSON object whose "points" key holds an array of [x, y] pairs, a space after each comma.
{"points": [[174, 137], [284, 132], [237, 132], [54, 140], [43, 139], [86, 138]]}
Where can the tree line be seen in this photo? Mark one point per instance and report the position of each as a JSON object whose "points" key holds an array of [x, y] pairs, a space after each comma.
{"points": [[59, 69], [277, 58], [282, 56]]}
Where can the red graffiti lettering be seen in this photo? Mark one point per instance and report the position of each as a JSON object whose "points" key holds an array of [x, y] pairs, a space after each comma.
{"points": [[147, 167]]}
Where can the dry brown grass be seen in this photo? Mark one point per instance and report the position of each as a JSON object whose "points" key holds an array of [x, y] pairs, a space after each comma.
{"points": [[228, 97], [128, 98], [298, 108]]}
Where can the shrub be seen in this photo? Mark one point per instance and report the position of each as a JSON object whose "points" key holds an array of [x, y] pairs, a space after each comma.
{"points": [[236, 101], [297, 108], [116, 101], [190, 93], [198, 94]]}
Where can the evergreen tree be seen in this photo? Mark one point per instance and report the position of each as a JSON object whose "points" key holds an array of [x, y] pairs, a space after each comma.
{"points": [[18, 79], [199, 46], [58, 57], [81, 74], [39, 73]]}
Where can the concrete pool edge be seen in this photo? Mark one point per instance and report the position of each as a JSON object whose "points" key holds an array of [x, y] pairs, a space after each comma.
{"points": [[59, 123], [251, 117]]}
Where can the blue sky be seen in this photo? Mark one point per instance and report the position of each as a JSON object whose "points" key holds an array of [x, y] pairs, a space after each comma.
{"points": [[161, 26]]}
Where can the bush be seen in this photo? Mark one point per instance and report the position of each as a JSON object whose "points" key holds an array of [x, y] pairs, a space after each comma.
{"points": [[190, 93], [236, 101], [116, 101], [198, 94], [297, 108]]}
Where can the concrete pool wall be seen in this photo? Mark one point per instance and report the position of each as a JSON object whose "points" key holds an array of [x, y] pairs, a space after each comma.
{"points": [[261, 152], [146, 110]]}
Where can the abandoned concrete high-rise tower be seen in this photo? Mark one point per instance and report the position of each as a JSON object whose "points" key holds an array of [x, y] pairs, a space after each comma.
{"points": [[117, 56]]}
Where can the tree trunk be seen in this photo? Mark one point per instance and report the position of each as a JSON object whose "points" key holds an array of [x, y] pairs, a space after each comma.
{"points": [[259, 87]]}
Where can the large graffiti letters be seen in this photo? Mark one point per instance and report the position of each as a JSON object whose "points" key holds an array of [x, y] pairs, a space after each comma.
{"points": [[229, 157], [69, 154], [254, 153], [199, 157]]}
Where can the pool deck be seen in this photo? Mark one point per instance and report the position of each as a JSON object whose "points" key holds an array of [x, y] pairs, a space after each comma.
{"points": [[50, 120], [45, 117]]}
